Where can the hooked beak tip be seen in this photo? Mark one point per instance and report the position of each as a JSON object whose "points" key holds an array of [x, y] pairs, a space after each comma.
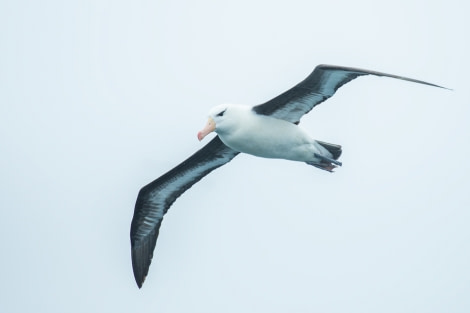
{"points": [[209, 128]]}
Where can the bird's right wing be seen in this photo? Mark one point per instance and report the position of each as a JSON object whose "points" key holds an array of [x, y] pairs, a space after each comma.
{"points": [[320, 85], [155, 199]]}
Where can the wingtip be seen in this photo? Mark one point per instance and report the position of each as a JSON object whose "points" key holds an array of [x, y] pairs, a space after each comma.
{"points": [[140, 270], [139, 280], [329, 66], [438, 86]]}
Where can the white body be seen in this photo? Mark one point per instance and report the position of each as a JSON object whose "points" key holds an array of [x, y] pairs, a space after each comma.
{"points": [[244, 131]]}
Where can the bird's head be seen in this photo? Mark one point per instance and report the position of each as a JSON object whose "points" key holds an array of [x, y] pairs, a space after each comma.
{"points": [[216, 121]]}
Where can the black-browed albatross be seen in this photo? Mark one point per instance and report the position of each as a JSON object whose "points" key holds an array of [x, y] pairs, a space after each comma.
{"points": [[267, 130]]}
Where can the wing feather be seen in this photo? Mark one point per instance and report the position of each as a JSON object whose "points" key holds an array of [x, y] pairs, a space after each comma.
{"points": [[320, 85], [155, 199]]}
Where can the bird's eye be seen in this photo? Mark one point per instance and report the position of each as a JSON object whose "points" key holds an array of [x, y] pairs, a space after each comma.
{"points": [[221, 113]]}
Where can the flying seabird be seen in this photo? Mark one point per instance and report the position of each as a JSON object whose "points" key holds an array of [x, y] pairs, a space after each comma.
{"points": [[267, 130]]}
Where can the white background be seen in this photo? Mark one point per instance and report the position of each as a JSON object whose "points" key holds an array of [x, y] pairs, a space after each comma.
{"points": [[98, 98]]}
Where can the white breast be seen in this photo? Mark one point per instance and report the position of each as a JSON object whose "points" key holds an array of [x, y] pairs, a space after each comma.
{"points": [[266, 137]]}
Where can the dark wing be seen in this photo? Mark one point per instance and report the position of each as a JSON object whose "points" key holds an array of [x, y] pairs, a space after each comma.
{"points": [[320, 85], [155, 199]]}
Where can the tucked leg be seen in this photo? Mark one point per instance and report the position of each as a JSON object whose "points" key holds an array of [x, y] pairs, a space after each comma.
{"points": [[326, 159]]}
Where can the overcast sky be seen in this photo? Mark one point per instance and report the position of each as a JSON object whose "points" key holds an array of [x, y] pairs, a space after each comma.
{"points": [[98, 98]]}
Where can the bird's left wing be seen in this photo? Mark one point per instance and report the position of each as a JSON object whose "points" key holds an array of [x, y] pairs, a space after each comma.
{"points": [[320, 85], [155, 199]]}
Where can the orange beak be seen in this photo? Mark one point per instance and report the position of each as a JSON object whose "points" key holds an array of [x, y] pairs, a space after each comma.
{"points": [[209, 128]]}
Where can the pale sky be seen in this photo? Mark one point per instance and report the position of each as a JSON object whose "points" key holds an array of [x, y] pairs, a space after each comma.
{"points": [[98, 98]]}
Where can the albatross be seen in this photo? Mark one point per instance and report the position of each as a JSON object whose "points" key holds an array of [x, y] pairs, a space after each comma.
{"points": [[268, 130]]}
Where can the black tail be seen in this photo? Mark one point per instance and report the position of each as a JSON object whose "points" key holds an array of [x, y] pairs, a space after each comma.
{"points": [[335, 150], [328, 164]]}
